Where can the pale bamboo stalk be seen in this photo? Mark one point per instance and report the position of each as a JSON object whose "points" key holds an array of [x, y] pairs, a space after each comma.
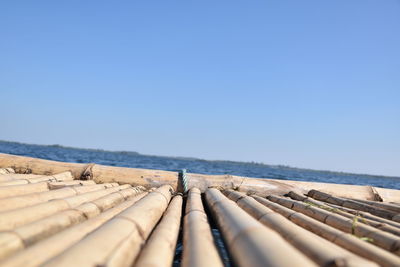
{"points": [[13, 182], [59, 176], [323, 252], [249, 242], [29, 181], [379, 225], [14, 218], [58, 185], [380, 238], [13, 176], [118, 242], [345, 240], [151, 178], [6, 170], [18, 179], [28, 234], [160, 248], [352, 204], [22, 201], [198, 243], [18, 190], [39, 253]]}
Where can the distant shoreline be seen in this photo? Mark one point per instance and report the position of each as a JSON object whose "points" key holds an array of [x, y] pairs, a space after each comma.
{"points": [[197, 159]]}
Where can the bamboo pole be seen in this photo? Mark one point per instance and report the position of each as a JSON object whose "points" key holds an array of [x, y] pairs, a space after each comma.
{"points": [[383, 205], [344, 240], [359, 217], [6, 170], [58, 185], [19, 176], [14, 218], [118, 242], [22, 201], [380, 238], [323, 252], [362, 214], [353, 205], [155, 178], [160, 248], [13, 182], [367, 215], [249, 242], [17, 179], [39, 253], [28, 234], [28, 181], [17, 190], [198, 243]]}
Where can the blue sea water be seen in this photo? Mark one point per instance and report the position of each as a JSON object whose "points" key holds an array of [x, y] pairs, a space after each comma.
{"points": [[136, 160]]}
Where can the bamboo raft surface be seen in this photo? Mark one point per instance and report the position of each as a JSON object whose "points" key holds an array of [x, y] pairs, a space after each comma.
{"points": [[68, 214]]}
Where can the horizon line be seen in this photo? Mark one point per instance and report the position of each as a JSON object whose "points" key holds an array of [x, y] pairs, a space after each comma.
{"points": [[195, 158]]}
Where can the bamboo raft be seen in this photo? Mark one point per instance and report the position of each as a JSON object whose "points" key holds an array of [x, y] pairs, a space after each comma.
{"points": [[70, 214]]}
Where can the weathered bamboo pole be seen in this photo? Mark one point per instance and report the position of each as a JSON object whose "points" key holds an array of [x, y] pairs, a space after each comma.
{"points": [[362, 214], [22, 201], [28, 234], [118, 242], [39, 253], [379, 225], [155, 178], [366, 215], [344, 240], [198, 243], [249, 242], [160, 248], [380, 238], [354, 205], [383, 205], [14, 218], [323, 252]]}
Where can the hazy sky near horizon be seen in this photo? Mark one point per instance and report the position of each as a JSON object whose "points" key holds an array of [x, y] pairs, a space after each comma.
{"points": [[312, 84]]}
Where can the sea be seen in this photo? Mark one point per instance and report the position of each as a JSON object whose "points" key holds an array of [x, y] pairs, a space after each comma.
{"points": [[246, 169]]}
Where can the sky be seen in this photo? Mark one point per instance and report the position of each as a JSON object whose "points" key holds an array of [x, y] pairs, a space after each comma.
{"points": [[311, 84]]}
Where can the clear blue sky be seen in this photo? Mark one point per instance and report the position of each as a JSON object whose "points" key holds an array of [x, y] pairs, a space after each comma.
{"points": [[312, 84]]}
